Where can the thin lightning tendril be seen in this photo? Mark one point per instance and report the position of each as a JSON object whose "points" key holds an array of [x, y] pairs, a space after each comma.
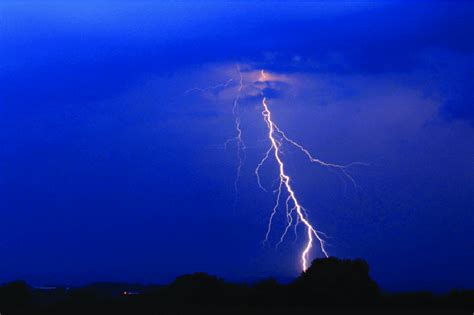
{"points": [[260, 164], [210, 88], [274, 211], [289, 219], [342, 168], [240, 143], [238, 137], [236, 113]]}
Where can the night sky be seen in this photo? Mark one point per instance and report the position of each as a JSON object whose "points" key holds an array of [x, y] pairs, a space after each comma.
{"points": [[110, 171]]}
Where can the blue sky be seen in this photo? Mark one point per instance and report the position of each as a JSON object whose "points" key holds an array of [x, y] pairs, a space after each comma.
{"points": [[110, 171]]}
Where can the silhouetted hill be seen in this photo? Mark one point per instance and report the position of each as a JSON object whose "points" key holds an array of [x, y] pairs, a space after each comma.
{"points": [[329, 285]]}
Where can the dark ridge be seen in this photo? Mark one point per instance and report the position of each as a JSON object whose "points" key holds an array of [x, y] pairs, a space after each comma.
{"points": [[330, 285]]}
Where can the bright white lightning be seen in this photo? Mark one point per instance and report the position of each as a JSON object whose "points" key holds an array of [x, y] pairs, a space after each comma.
{"points": [[277, 137], [285, 181]]}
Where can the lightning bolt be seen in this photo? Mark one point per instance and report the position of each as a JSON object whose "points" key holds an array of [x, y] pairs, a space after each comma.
{"points": [[285, 181], [276, 137], [296, 214]]}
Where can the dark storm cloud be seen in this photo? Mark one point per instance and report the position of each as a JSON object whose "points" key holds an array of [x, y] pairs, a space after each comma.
{"points": [[96, 56]]}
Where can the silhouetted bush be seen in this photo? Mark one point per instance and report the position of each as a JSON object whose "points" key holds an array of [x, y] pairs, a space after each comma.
{"points": [[201, 288], [14, 295], [335, 282], [267, 292]]}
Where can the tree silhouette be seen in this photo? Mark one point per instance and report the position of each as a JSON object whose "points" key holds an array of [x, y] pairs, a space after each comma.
{"points": [[14, 295], [335, 282]]}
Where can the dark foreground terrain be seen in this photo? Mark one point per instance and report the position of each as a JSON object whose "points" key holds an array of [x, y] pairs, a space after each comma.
{"points": [[329, 286]]}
